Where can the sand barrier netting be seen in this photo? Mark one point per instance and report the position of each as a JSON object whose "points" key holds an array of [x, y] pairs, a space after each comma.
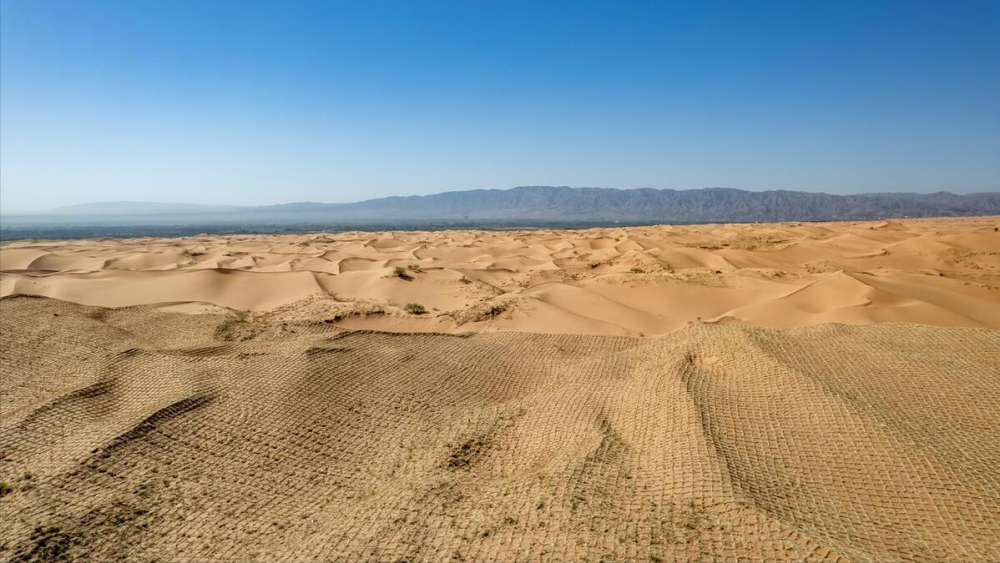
{"points": [[136, 435]]}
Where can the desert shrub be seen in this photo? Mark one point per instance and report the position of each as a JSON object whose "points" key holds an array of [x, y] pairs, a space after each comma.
{"points": [[401, 273], [415, 309], [4, 488], [415, 267], [492, 311], [638, 270]]}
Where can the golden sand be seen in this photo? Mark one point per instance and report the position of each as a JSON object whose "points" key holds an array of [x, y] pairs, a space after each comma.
{"points": [[208, 399]]}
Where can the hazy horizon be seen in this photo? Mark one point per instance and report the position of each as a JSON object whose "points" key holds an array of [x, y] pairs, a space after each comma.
{"points": [[266, 103]]}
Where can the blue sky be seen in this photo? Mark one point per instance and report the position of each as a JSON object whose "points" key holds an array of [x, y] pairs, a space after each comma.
{"points": [[266, 102]]}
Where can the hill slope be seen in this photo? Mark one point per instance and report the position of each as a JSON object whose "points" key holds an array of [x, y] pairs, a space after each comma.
{"points": [[689, 206], [135, 435]]}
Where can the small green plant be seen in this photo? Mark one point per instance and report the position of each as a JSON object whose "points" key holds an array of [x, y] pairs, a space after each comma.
{"points": [[401, 273], [5, 489], [415, 309], [415, 267], [638, 270]]}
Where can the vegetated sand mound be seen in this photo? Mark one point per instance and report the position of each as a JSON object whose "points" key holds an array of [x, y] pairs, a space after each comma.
{"points": [[137, 434], [614, 281]]}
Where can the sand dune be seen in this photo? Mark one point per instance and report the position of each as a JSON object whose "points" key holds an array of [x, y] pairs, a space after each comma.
{"points": [[137, 434], [670, 393], [236, 289], [634, 280]]}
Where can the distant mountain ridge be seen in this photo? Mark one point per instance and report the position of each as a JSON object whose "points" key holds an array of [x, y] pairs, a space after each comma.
{"points": [[652, 205], [540, 204]]}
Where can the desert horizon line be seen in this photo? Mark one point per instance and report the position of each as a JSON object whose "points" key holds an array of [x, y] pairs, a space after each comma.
{"points": [[63, 208]]}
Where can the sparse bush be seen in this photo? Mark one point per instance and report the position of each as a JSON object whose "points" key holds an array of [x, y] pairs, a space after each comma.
{"points": [[415, 309], [492, 311], [5, 488], [415, 267], [401, 273], [638, 270]]}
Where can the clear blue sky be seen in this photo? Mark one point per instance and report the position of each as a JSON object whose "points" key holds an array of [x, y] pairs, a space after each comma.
{"points": [[265, 102]]}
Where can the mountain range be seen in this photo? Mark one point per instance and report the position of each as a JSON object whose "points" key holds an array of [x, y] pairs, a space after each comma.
{"points": [[538, 205]]}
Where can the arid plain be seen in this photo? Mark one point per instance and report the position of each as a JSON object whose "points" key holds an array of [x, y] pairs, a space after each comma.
{"points": [[792, 391]]}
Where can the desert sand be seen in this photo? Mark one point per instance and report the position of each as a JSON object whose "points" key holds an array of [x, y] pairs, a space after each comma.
{"points": [[785, 392], [622, 281]]}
